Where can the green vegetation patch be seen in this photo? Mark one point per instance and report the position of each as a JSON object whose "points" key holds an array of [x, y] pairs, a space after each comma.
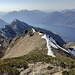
{"points": [[11, 66]]}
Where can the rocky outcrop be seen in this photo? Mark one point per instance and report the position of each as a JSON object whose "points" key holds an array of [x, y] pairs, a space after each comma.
{"points": [[42, 69]]}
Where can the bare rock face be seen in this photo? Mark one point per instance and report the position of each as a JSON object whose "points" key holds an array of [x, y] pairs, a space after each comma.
{"points": [[42, 69]]}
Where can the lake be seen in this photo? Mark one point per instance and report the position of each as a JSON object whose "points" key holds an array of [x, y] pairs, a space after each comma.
{"points": [[65, 32]]}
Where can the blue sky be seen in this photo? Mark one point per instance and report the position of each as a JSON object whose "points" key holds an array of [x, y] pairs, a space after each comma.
{"points": [[11, 5]]}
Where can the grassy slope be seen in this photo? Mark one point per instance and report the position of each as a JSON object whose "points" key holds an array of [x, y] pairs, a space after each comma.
{"points": [[11, 66]]}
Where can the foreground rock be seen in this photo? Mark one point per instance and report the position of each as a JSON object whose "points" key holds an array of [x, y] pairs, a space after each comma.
{"points": [[42, 69]]}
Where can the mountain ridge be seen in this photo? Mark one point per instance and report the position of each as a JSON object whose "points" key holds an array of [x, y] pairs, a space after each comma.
{"points": [[2, 23], [65, 17], [54, 40], [35, 51], [31, 41]]}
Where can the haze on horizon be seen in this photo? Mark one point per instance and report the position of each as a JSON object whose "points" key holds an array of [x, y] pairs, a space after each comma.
{"points": [[45, 5]]}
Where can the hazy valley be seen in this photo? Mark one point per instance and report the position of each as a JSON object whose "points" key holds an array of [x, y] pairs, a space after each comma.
{"points": [[64, 17]]}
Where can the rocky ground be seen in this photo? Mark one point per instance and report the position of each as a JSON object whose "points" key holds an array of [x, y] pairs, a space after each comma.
{"points": [[42, 69]]}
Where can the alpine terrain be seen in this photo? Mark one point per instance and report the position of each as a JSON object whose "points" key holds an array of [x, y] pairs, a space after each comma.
{"points": [[28, 50]]}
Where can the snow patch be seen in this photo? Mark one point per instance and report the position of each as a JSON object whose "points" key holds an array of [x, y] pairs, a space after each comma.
{"points": [[63, 49], [52, 43], [72, 51], [15, 26], [33, 30], [73, 47], [55, 45], [49, 44], [52, 40], [40, 33]]}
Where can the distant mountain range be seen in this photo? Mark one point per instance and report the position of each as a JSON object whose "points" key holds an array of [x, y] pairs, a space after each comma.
{"points": [[65, 17], [30, 17], [2, 23], [61, 18]]}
